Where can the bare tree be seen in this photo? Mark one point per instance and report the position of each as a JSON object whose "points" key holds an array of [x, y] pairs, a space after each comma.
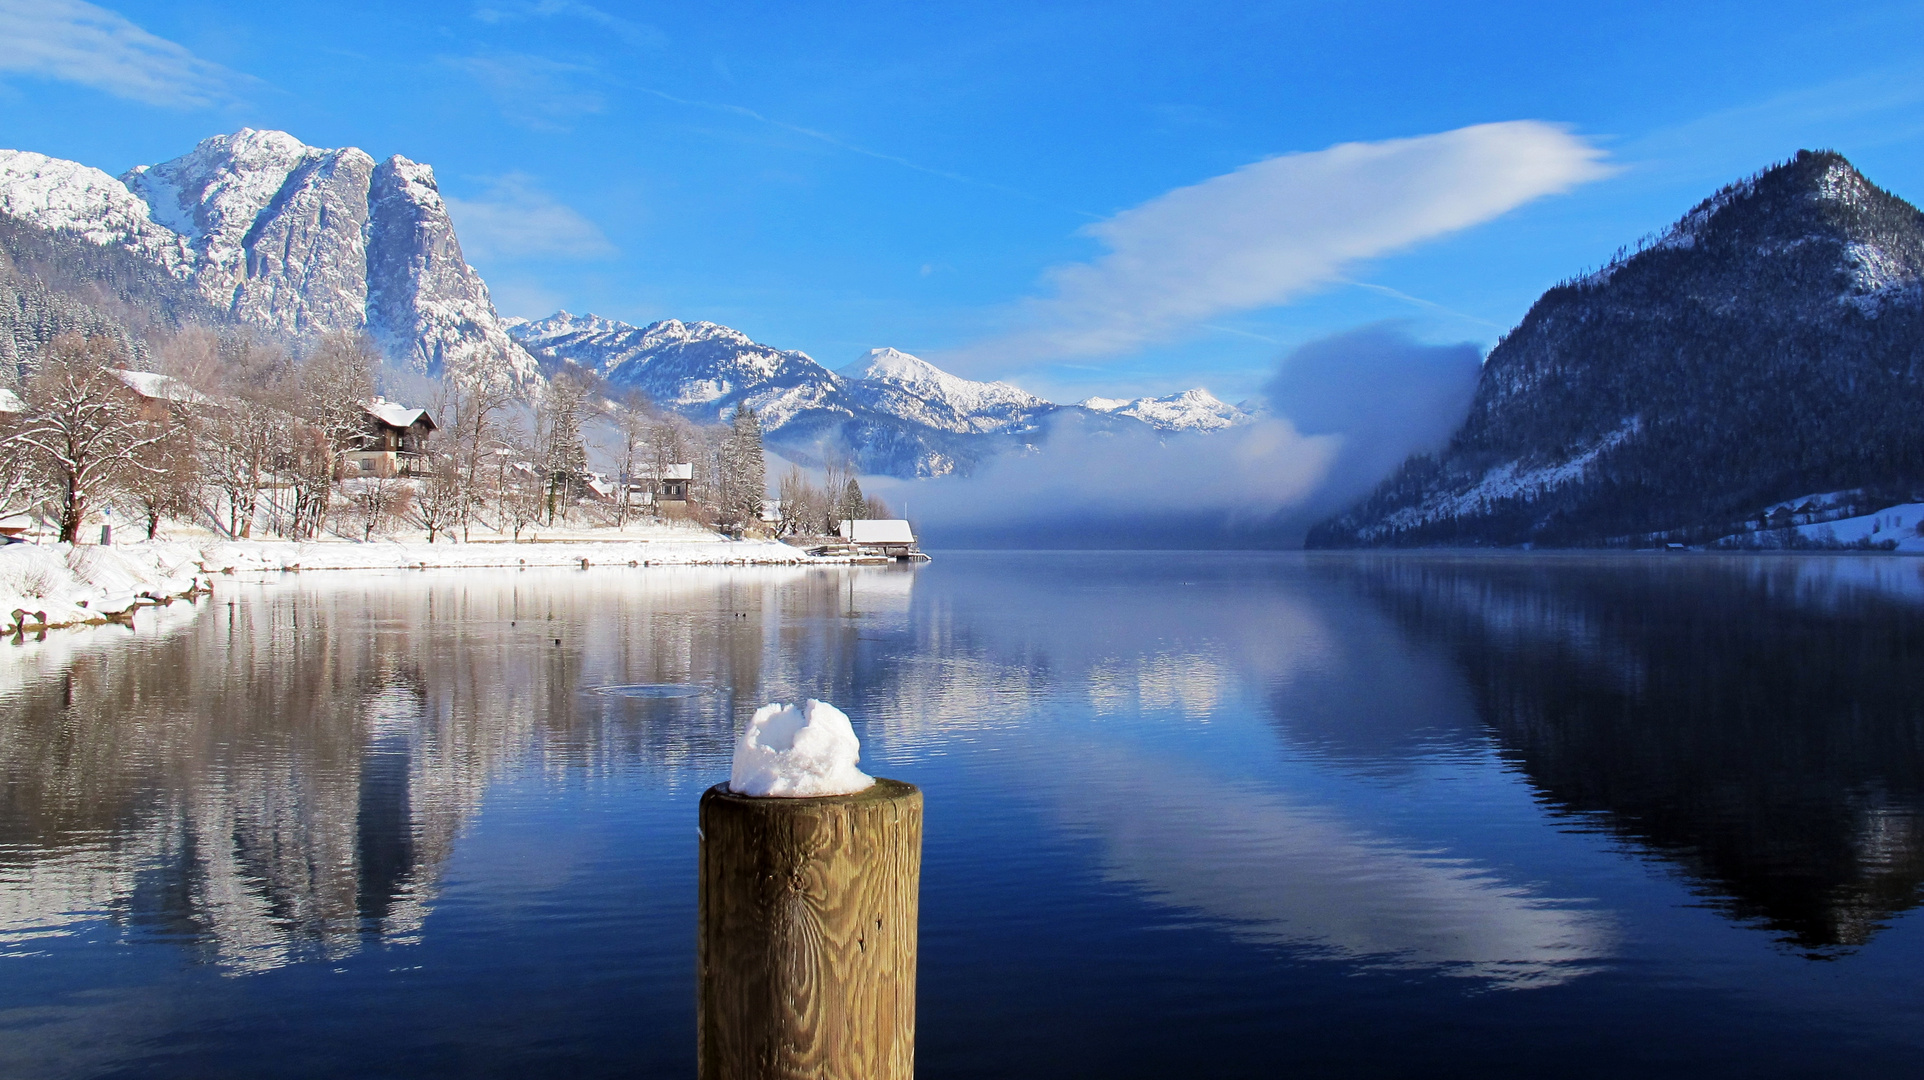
{"points": [[309, 467], [669, 443], [171, 487], [471, 411], [336, 382], [632, 430], [375, 501], [803, 507], [442, 499], [83, 426]]}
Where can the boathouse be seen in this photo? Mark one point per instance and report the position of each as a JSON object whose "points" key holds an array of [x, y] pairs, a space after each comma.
{"points": [[890, 538]]}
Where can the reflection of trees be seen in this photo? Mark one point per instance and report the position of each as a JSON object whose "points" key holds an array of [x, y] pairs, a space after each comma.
{"points": [[287, 777], [1748, 723]]}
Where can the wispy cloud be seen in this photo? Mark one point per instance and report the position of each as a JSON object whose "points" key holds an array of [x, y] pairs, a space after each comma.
{"points": [[843, 144], [514, 219], [76, 42], [533, 91], [628, 31], [1272, 231]]}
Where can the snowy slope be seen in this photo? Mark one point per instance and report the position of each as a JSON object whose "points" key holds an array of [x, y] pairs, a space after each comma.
{"points": [[907, 386], [71, 197]]}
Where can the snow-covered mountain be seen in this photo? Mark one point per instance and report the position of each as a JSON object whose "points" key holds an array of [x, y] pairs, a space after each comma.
{"points": [[910, 387], [289, 238], [1764, 346], [893, 412], [1191, 410]]}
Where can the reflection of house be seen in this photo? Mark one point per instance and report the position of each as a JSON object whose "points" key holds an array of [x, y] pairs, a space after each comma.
{"points": [[160, 396], [392, 442], [671, 491]]}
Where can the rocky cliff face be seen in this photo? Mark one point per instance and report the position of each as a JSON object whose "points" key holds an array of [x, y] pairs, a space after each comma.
{"points": [[289, 238], [1768, 345]]}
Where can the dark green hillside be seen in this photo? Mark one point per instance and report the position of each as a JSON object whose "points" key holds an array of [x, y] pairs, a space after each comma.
{"points": [[1769, 345]]}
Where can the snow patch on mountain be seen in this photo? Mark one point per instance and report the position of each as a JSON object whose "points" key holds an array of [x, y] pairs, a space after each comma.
{"points": [[1508, 481]]}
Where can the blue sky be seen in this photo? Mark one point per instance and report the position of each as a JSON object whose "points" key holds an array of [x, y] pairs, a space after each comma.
{"points": [[1048, 193]]}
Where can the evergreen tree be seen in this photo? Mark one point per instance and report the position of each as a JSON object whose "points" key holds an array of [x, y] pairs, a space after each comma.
{"points": [[744, 473]]}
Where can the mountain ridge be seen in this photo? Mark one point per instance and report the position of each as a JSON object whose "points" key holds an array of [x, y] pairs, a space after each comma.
{"points": [[1768, 344]]}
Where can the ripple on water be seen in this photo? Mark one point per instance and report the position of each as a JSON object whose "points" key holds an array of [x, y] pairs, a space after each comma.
{"points": [[653, 690]]}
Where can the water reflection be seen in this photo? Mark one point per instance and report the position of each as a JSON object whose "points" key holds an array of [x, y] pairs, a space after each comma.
{"points": [[284, 773], [1757, 723]]}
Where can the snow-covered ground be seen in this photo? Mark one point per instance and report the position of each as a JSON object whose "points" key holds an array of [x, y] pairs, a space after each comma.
{"points": [[1893, 523], [81, 584], [76, 585]]}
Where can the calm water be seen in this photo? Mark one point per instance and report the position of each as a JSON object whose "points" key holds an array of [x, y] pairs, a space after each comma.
{"points": [[1188, 815]]}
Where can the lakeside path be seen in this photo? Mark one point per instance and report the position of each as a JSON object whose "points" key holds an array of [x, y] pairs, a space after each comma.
{"points": [[48, 586]]}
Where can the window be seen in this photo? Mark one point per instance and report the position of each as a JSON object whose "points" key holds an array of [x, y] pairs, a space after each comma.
{"points": [[367, 464]]}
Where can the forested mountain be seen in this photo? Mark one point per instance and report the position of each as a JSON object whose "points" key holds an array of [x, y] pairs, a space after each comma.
{"points": [[53, 283], [1767, 346]]}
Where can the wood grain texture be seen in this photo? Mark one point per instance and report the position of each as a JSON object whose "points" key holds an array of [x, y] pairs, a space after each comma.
{"points": [[808, 922]]}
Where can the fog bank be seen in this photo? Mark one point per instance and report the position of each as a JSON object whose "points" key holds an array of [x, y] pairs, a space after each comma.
{"points": [[1340, 414]]}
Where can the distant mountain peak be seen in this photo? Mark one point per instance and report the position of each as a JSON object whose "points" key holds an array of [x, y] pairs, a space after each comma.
{"points": [[1189, 410]]}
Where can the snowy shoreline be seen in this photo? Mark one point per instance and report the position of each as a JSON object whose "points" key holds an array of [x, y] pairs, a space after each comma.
{"points": [[53, 586]]}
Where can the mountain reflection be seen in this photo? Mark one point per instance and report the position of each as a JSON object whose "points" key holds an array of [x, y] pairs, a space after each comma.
{"points": [[1757, 722], [283, 773]]}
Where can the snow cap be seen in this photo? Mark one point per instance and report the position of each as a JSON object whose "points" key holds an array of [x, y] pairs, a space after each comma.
{"points": [[795, 751]]}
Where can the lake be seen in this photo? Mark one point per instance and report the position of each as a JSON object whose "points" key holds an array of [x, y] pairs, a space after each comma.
{"points": [[1187, 815]]}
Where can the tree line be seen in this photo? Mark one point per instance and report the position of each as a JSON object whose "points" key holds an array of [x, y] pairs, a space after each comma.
{"points": [[254, 437]]}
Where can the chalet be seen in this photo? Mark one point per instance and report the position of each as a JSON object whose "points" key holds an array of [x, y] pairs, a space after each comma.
{"points": [[886, 538], [393, 440], [161, 396], [675, 480]]}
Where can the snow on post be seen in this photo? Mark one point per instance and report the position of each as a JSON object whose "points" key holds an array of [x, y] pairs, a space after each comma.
{"points": [[809, 895], [795, 751]]}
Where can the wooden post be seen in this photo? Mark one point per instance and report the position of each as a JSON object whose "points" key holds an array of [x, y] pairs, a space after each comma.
{"points": [[808, 914]]}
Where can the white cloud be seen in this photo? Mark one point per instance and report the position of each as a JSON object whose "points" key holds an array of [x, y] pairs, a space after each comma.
{"points": [[514, 219], [77, 42], [1273, 230]]}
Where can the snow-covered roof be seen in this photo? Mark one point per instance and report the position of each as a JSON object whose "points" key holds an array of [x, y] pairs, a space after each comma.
{"points": [[678, 472], [10, 402], [878, 531], [394, 414], [156, 387]]}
